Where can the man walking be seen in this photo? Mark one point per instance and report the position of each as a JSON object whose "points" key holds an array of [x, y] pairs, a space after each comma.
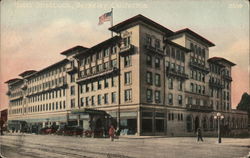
{"points": [[199, 135]]}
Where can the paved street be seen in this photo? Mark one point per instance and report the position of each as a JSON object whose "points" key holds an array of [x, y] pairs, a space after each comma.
{"points": [[50, 146]]}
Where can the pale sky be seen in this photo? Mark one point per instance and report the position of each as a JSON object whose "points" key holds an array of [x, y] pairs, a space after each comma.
{"points": [[33, 33]]}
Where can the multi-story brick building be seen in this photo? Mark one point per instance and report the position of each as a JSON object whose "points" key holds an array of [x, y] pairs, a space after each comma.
{"points": [[154, 81]]}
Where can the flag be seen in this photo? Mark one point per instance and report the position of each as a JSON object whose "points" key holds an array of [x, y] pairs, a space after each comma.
{"points": [[105, 17]]}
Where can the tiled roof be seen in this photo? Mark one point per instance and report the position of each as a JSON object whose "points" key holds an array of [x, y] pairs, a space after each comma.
{"points": [[120, 26], [196, 35]]}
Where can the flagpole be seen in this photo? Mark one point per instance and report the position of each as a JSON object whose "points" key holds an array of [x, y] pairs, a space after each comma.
{"points": [[111, 22]]}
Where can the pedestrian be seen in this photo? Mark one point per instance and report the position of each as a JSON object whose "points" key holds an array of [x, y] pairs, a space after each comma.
{"points": [[112, 132], [199, 135]]}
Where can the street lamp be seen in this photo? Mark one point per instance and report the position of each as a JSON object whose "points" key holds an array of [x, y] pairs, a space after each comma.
{"points": [[219, 117]]}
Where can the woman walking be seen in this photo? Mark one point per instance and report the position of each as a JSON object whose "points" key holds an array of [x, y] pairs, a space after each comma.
{"points": [[112, 132]]}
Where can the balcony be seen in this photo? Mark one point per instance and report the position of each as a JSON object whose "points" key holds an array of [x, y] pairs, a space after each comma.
{"points": [[100, 74], [198, 66], [129, 49], [178, 74], [215, 84], [200, 108], [227, 77], [16, 97], [71, 68], [154, 49]]}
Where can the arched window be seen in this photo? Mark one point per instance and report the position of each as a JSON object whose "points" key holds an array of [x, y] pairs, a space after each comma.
{"points": [[189, 123]]}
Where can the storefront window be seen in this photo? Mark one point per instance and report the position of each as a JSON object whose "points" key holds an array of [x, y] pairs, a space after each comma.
{"points": [[159, 125], [146, 125]]}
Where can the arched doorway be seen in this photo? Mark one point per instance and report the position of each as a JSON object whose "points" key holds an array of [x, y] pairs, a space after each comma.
{"points": [[189, 123], [204, 123], [196, 123], [211, 123]]}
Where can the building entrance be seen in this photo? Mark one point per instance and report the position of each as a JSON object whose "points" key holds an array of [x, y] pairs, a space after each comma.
{"points": [[197, 123]]}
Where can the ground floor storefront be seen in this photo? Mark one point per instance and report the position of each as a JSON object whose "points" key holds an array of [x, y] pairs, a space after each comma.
{"points": [[141, 120]]}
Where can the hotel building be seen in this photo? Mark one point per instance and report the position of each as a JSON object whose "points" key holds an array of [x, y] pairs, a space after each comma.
{"points": [[154, 81]]}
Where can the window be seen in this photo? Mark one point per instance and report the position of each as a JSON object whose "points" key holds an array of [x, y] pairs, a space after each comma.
{"points": [[99, 55], [170, 98], [157, 43], [106, 52], [112, 81], [149, 95], [113, 95], [87, 101], [93, 70], [92, 86], [195, 75], [127, 61], [157, 96], [106, 98], [168, 51], [99, 68], [157, 79], [87, 87], [126, 41], [199, 89], [106, 65], [211, 93], [173, 53], [99, 84], [64, 104], [72, 103], [157, 62], [191, 87], [203, 77], [199, 76], [99, 99], [72, 90], [72, 78], [182, 57], [180, 99], [149, 78], [87, 61], [128, 77], [149, 60], [113, 63], [114, 49], [170, 83], [148, 40], [172, 66], [180, 85], [106, 83], [203, 90], [128, 95], [93, 100], [178, 55]]}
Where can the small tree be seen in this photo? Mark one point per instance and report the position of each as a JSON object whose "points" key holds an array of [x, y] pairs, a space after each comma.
{"points": [[244, 103]]}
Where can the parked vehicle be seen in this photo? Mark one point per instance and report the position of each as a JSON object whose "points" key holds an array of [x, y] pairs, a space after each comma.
{"points": [[48, 130], [17, 126], [70, 130]]}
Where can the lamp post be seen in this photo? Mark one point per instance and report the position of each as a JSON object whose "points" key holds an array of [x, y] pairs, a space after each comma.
{"points": [[219, 117]]}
